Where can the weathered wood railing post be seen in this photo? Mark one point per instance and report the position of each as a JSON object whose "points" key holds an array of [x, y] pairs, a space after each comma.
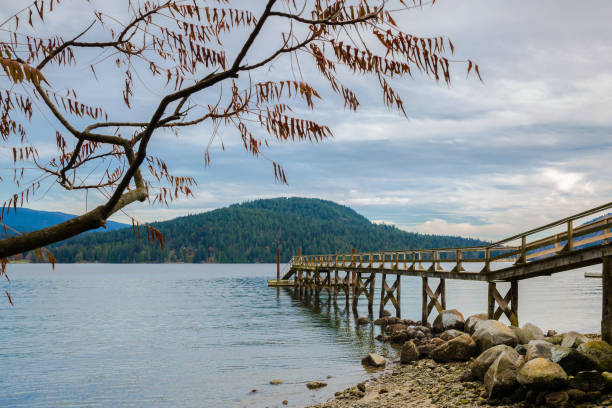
{"points": [[570, 235], [606, 309]]}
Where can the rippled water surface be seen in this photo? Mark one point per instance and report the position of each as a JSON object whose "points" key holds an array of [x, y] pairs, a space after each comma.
{"points": [[206, 335]]}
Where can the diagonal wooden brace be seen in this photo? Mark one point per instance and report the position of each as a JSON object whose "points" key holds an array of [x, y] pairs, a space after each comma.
{"points": [[507, 305], [430, 299], [392, 294]]}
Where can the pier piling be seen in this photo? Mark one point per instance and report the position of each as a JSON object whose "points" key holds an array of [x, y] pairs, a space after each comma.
{"points": [[606, 312]]}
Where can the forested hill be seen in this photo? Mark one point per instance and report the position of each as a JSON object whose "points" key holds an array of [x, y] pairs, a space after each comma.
{"points": [[250, 232]]}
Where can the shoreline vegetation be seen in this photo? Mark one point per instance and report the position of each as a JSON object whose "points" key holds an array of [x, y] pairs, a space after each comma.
{"points": [[480, 362], [250, 232]]}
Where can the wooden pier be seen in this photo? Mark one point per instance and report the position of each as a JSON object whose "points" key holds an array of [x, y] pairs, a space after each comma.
{"points": [[556, 247]]}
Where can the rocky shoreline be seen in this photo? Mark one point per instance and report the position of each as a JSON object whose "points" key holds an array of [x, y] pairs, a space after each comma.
{"points": [[480, 362]]}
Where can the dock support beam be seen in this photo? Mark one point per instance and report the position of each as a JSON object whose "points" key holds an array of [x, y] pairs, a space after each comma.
{"points": [[430, 299], [606, 310], [507, 305], [390, 294], [364, 285]]}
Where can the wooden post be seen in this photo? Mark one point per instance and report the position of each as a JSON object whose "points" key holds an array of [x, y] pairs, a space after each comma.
{"points": [[277, 265], [443, 293], [356, 290], [606, 310], [383, 294], [371, 294], [491, 301], [424, 314], [514, 300], [398, 311]]}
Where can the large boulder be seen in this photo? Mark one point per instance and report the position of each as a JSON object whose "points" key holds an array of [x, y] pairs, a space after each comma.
{"points": [[530, 332], [542, 373], [608, 377], [557, 399], [481, 364], [380, 321], [458, 349], [572, 360], [398, 337], [374, 360], [500, 378], [538, 349], [600, 352], [362, 321], [489, 333], [556, 339], [573, 339], [409, 352], [470, 322], [447, 320], [450, 334], [588, 381], [426, 349], [396, 327]]}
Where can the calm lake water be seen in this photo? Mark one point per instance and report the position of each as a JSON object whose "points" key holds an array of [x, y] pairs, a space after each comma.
{"points": [[206, 335]]}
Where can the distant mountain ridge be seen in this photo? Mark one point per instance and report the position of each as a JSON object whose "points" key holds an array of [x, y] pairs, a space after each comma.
{"points": [[26, 220], [250, 232]]}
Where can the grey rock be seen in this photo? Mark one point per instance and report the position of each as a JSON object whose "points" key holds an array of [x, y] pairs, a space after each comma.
{"points": [[557, 399], [426, 349], [363, 321], [600, 352], [381, 321], [572, 360], [557, 339], [482, 363], [315, 385], [399, 337], [409, 352], [489, 333], [573, 339], [395, 327], [538, 349], [521, 349], [450, 334], [608, 377], [470, 322], [500, 378], [374, 360], [542, 374], [447, 320], [576, 395], [530, 332], [588, 381], [458, 349]]}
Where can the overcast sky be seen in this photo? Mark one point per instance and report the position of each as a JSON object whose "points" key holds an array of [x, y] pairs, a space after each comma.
{"points": [[529, 145]]}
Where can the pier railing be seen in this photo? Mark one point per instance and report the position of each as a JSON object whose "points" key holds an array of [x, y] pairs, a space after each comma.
{"points": [[526, 250], [555, 247]]}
